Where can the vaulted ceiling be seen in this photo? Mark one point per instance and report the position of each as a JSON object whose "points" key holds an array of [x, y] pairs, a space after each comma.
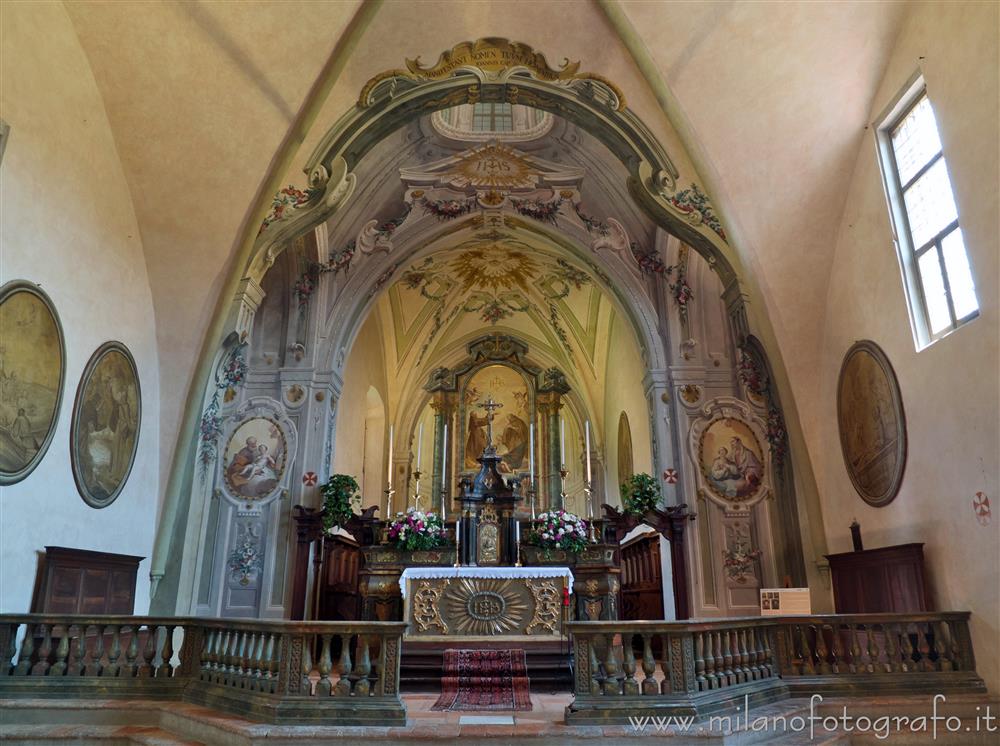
{"points": [[773, 97]]}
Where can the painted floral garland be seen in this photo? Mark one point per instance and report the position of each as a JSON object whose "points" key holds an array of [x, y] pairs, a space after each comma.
{"points": [[693, 200], [448, 209], [739, 561], [245, 559], [231, 375], [286, 200], [777, 436]]}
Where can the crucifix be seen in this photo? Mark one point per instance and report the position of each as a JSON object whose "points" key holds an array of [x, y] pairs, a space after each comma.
{"points": [[489, 405]]}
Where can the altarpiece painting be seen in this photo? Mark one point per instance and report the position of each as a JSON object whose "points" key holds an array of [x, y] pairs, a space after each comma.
{"points": [[510, 427]]}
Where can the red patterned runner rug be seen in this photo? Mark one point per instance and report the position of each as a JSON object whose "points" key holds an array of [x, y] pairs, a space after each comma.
{"points": [[484, 680]]}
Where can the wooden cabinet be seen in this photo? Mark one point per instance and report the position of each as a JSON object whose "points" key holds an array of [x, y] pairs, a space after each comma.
{"points": [[78, 581], [889, 579]]}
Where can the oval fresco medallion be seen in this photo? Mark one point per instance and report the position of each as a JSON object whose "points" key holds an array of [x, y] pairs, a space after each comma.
{"points": [[255, 458], [105, 430], [872, 423], [731, 459], [32, 373]]}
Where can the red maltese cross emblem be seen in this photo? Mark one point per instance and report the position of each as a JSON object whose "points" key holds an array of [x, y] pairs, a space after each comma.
{"points": [[981, 504], [309, 479], [670, 476]]}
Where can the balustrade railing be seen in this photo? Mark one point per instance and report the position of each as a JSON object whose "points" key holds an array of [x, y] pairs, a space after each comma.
{"points": [[625, 669], [276, 671]]}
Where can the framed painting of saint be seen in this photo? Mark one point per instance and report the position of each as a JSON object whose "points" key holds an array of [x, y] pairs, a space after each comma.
{"points": [[32, 373], [508, 389], [872, 423], [104, 435], [732, 459], [255, 458]]}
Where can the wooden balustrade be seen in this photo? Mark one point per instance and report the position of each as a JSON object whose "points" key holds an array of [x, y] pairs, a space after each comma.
{"points": [[707, 667], [272, 671]]}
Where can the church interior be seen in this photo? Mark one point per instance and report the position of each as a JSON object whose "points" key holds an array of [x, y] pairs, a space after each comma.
{"points": [[499, 371]]}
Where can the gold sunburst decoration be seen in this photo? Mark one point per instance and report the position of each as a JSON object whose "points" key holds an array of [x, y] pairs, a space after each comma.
{"points": [[485, 606], [494, 267], [494, 166]]}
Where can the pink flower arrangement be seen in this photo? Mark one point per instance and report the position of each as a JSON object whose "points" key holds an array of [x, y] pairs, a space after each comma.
{"points": [[559, 529], [415, 530]]}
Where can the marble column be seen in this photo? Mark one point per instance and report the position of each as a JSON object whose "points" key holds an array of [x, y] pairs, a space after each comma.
{"points": [[552, 387]]}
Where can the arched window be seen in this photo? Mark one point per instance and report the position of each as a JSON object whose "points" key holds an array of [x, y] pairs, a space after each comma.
{"points": [[489, 121], [625, 467]]}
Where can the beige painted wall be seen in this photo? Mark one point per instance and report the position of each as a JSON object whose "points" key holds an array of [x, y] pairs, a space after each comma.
{"points": [[624, 393], [950, 390], [68, 224], [364, 368]]}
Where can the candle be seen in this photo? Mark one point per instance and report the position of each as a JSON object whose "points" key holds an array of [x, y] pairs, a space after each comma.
{"points": [[531, 453], [420, 443], [389, 476], [587, 429], [562, 441]]}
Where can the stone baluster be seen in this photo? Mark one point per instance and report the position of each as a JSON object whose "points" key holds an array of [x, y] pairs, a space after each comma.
{"points": [[873, 649], [728, 659], [166, 653], [41, 668], [113, 667], [23, 666], [210, 655], [259, 662], [699, 662], [957, 653], [273, 660], [907, 649], [147, 652], [612, 682], [307, 667], [722, 678], [856, 665], [711, 678], [630, 687], [78, 652], [743, 662], [923, 646], [753, 653], [821, 650], [899, 655], [324, 687], [8, 647], [225, 657], [649, 685], [132, 651], [362, 668], [942, 646], [62, 653], [806, 655], [889, 631], [766, 653], [596, 675], [343, 687], [837, 649]]}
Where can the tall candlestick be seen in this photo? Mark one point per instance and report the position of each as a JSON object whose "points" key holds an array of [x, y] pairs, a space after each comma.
{"points": [[562, 441], [589, 475], [531, 453], [389, 475], [444, 474]]}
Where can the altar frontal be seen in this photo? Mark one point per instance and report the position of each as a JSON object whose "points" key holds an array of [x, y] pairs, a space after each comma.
{"points": [[470, 602]]}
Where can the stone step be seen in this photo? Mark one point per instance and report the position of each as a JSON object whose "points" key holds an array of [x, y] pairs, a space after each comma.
{"points": [[113, 735]]}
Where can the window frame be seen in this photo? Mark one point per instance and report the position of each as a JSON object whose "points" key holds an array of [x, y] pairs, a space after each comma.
{"points": [[908, 254]]}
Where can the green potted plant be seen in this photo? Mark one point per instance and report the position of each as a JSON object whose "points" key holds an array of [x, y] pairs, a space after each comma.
{"points": [[640, 494], [339, 495]]}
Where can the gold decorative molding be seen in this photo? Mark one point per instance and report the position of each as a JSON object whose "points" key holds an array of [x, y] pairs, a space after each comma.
{"points": [[494, 60], [485, 606], [426, 602], [548, 606]]}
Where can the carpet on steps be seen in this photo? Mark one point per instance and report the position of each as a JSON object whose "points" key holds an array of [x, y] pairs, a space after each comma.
{"points": [[484, 680]]}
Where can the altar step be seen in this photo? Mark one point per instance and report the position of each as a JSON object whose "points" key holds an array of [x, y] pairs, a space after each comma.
{"points": [[548, 663]]}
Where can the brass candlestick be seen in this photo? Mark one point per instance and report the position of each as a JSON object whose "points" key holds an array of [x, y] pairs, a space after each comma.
{"points": [[389, 492], [416, 496], [590, 513], [563, 473]]}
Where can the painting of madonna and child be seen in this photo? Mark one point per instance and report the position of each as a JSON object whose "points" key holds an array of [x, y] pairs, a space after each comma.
{"points": [[732, 459], [255, 458], [510, 421]]}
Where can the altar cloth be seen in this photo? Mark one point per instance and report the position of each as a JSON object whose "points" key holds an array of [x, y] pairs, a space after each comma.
{"points": [[485, 572]]}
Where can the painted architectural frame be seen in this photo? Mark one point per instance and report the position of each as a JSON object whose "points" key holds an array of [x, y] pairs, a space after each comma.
{"points": [[32, 377], [872, 423], [107, 417]]}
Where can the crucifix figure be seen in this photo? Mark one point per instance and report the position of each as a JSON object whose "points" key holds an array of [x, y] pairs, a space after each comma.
{"points": [[489, 405]]}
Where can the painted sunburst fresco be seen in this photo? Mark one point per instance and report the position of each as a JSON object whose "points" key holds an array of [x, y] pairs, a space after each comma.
{"points": [[493, 267]]}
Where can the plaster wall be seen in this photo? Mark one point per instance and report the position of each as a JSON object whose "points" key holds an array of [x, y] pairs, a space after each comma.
{"points": [[67, 223], [950, 389], [624, 393], [364, 368]]}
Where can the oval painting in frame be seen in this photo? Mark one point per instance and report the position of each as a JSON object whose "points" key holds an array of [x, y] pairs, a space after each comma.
{"points": [[255, 458], [32, 374], [732, 459], [872, 423], [105, 432]]}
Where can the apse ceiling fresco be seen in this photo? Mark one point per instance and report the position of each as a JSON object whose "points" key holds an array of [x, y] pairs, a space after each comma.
{"points": [[495, 283]]}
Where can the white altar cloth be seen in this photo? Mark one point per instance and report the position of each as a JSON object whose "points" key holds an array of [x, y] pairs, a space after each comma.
{"points": [[484, 572]]}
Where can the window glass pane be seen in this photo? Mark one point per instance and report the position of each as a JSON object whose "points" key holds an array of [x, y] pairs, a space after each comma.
{"points": [[956, 263], [915, 140], [930, 206], [937, 302]]}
